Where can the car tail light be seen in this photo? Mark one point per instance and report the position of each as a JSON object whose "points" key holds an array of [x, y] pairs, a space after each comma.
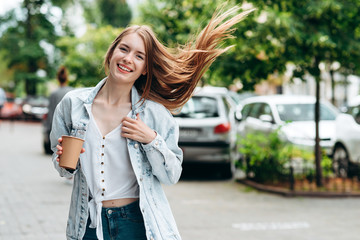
{"points": [[222, 128], [45, 116]]}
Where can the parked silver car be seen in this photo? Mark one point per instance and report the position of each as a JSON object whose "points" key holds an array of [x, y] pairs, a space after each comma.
{"points": [[208, 129], [295, 114], [346, 151]]}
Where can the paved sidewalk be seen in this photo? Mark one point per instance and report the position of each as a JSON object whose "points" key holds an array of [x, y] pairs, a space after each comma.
{"points": [[34, 200]]}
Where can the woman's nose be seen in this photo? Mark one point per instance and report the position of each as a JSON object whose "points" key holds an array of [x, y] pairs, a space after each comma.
{"points": [[128, 58]]}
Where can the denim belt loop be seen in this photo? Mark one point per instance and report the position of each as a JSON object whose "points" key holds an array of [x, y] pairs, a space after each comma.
{"points": [[123, 211]]}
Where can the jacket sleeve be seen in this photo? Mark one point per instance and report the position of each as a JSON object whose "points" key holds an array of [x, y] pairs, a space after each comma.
{"points": [[61, 125], [163, 152]]}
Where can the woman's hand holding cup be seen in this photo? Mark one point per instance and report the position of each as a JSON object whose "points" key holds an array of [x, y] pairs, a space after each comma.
{"points": [[60, 149]]}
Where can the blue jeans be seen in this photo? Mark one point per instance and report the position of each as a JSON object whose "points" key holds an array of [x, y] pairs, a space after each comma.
{"points": [[120, 223]]}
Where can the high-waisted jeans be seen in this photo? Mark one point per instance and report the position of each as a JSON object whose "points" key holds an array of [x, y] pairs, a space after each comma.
{"points": [[120, 223]]}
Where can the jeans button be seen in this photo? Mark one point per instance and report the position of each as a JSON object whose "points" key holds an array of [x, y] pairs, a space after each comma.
{"points": [[110, 211]]}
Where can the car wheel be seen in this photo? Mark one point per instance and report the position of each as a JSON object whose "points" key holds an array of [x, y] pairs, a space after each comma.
{"points": [[341, 162], [228, 170]]}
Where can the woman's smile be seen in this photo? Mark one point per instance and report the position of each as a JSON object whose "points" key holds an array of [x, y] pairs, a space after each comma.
{"points": [[124, 68]]}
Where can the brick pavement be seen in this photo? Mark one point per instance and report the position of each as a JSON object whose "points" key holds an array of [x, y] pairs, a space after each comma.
{"points": [[34, 200]]}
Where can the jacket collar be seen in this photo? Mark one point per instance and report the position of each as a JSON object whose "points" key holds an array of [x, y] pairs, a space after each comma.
{"points": [[137, 106]]}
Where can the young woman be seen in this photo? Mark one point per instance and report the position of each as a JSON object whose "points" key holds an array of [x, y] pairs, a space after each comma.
{"points": [[130, 135]]}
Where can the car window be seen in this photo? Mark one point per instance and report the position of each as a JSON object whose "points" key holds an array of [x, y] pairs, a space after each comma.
{"points": [[265, 109], [303, 112], [246, 110], [199, 107], [355, 113], [326, 113], [255, 110]]}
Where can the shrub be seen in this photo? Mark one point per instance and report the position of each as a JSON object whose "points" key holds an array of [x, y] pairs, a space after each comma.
{"points": [[267, 158]]}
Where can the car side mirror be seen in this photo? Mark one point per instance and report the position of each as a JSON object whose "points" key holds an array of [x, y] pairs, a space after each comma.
{"points": [[266, 118], [238, 116]]}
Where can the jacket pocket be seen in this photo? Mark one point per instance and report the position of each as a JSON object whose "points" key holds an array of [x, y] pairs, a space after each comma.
{"points": [[78, 130]]}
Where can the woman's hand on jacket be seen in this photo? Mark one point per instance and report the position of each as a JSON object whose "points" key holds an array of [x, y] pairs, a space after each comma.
{"points": [[137, 130], [60, 149]]}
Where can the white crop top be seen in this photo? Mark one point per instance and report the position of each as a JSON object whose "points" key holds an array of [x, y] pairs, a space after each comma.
{"points": [[108, 170]]}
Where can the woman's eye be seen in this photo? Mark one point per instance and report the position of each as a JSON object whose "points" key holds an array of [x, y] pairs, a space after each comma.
{"points": [[123, 49], [140, 57]]}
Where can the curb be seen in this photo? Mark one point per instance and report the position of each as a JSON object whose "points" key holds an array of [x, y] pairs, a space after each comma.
{"points": [[289, 193]]}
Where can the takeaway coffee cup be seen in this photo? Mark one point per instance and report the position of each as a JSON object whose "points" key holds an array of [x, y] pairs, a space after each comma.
{"points": [[71, 152]]}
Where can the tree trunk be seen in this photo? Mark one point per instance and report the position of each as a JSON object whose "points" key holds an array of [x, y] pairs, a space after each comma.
{"points": [[346, 90], [30, 81], [317, 138], [30, 87], [332, 87]]}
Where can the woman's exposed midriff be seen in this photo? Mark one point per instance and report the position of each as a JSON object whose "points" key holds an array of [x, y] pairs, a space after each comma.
{"points": [[118, 202]]}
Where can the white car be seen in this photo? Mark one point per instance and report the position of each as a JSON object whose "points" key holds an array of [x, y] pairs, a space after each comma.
{"points": [[346, 151], [295, 115], [208, 129]]}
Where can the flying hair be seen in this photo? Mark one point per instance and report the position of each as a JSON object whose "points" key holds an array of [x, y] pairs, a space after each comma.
{"points": [[172, 74]]}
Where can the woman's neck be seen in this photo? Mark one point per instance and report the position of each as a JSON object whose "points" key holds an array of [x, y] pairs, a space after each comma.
{"points": [[115, 94]]}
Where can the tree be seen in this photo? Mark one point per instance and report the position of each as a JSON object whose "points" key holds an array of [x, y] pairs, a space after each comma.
{"points": [[175, 21], [320, 31], [27, 41], [116, 13], [258, 50], [328, 35]]}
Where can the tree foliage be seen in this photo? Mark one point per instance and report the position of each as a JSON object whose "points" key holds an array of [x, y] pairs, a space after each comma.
{"points": [[83, 56], [323, 31], [21, 43], [304, 33], [28, 37], [116, 13], [175, 21], [320, 32], [26, 42]]}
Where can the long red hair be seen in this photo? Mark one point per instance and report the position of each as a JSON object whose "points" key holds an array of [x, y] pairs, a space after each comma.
{"points": [[172, 74]]}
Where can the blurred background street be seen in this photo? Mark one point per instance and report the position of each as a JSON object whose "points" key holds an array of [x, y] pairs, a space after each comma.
{"points": [[282, 107], [34, 201]]}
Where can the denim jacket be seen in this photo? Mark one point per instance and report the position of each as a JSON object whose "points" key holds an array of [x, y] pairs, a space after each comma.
{"points": [[156, 163]]}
